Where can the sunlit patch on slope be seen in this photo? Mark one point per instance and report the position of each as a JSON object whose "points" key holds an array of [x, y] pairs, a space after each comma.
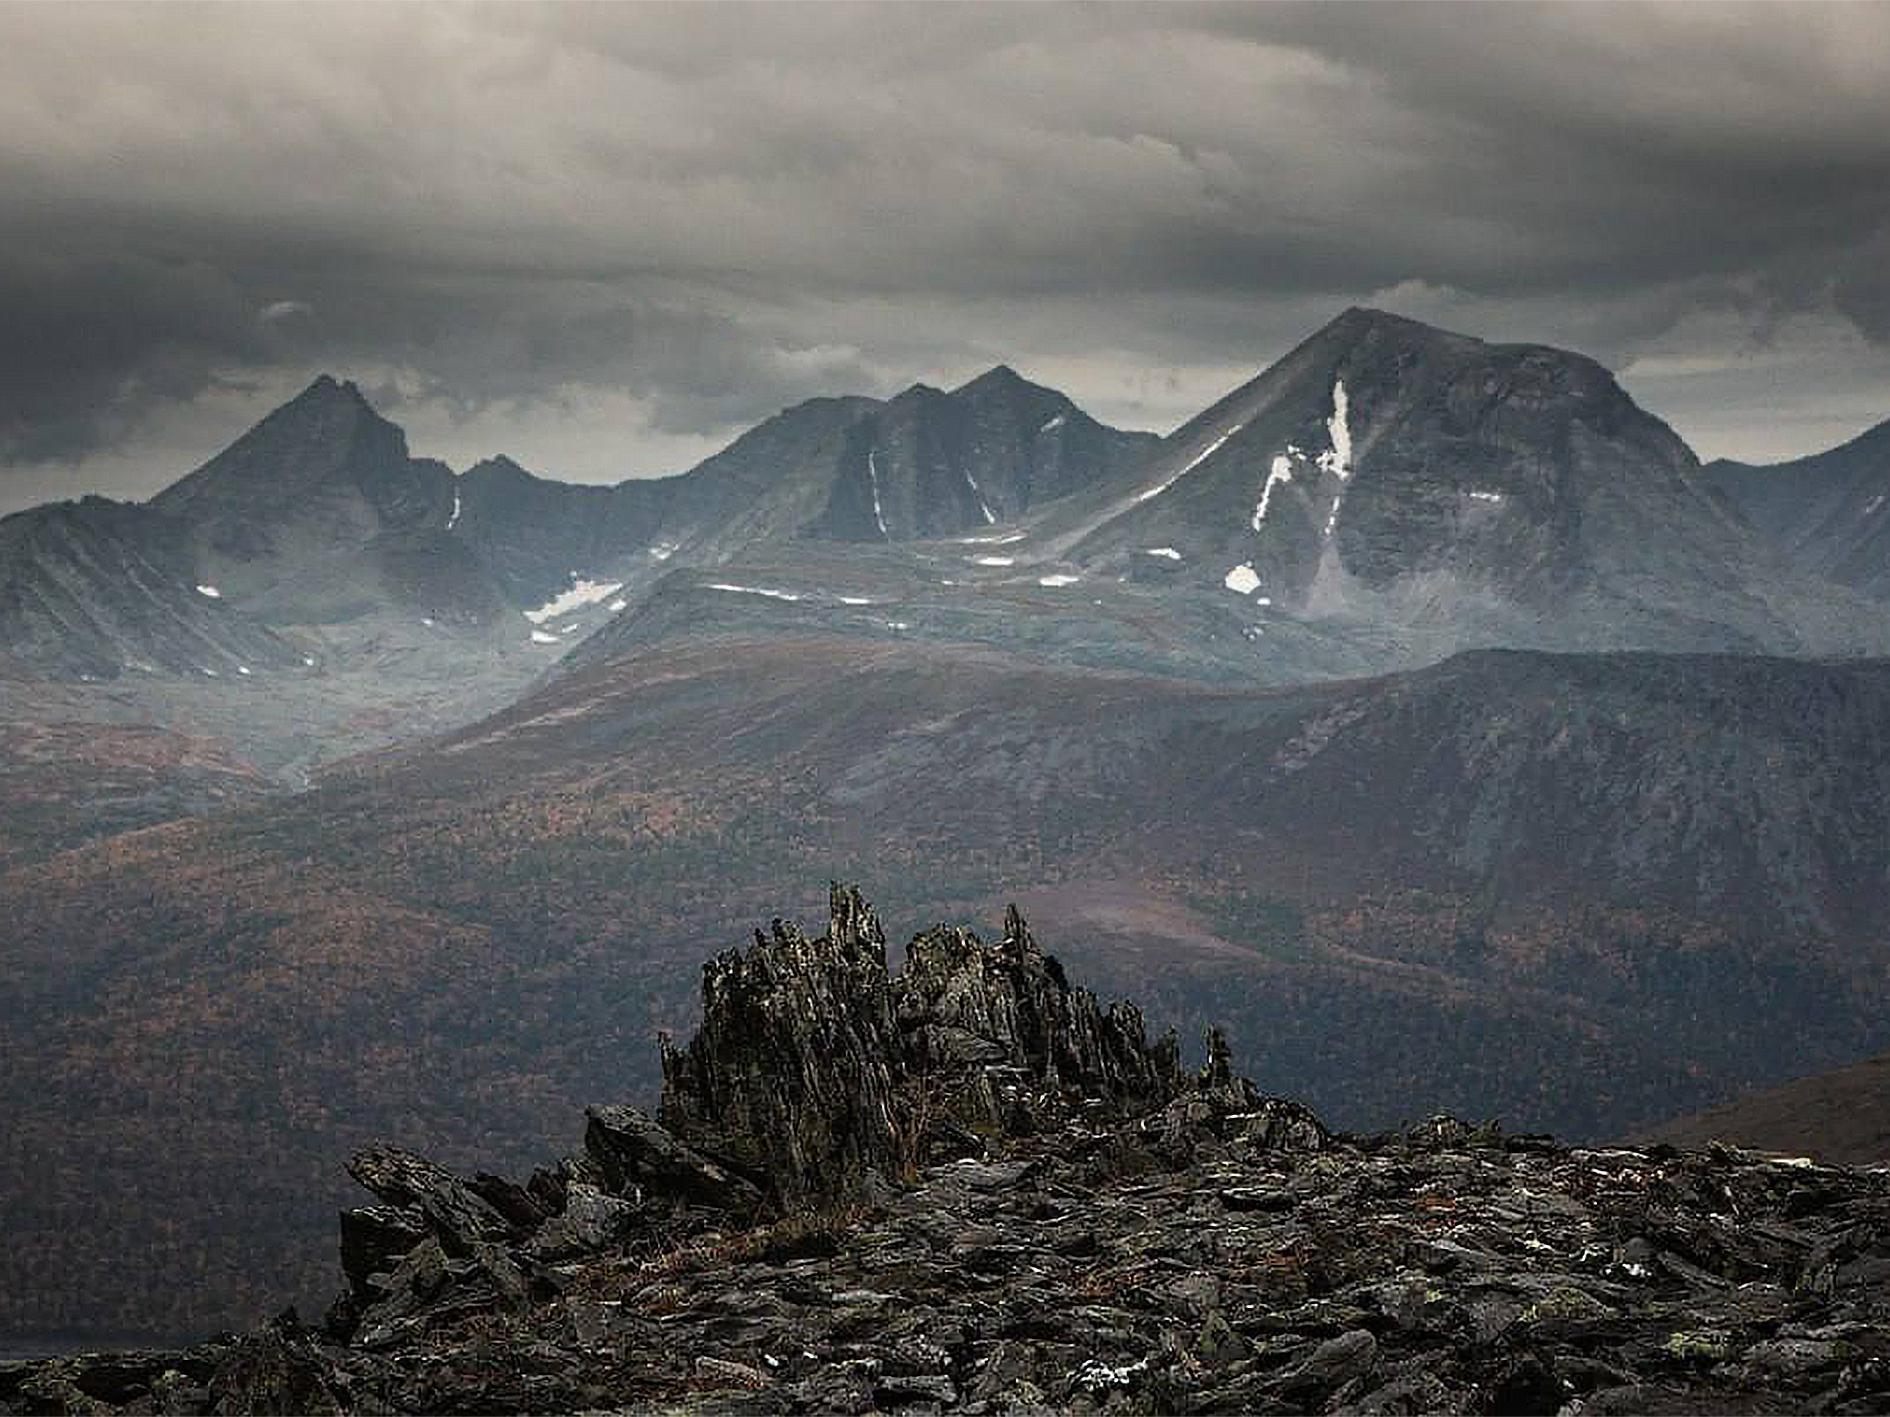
{"points": [[1192, 463], [582, 592], [753, 590]]}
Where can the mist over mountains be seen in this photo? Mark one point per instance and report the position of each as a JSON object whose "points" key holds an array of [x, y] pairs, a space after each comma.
{"points": [[1422, 710]]}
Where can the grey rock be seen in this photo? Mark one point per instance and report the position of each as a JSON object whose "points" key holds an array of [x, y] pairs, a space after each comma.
{"points": [[1093, 1258], [634, 1153]]}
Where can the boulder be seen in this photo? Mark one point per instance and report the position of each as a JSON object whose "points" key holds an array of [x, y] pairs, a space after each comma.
{"points": [[635, 1154]]}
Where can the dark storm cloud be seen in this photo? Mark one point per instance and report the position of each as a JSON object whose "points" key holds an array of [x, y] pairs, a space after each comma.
{"points": [[708, 212]]}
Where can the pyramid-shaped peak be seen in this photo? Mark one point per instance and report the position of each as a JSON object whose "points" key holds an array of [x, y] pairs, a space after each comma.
{"points": [[327, 392], [1002, 379], [328, 430], [1358, 322], [997, 376]]}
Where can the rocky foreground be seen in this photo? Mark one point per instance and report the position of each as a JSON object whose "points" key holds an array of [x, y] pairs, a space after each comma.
{"points": [[967, 1187]]}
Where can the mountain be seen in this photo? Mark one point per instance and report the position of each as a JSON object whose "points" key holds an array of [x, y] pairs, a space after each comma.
{"points": [[1826, 512], [1840, 1117], [1390, 473], [933, 464], [1385, 495], [1575, 892], [539, 537], [317, 515], [315, 590], [966, 1186], [94, 589]]}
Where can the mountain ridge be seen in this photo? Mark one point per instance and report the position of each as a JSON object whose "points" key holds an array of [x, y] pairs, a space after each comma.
{"points": [[1827, 509]]}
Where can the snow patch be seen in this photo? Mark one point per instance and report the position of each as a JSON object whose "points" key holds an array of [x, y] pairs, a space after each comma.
{"points": [[1338, 459], [1193, 463], [1281, 471], [854, 600], [309, 662], [1875, 502], [212, 592], [210, 672], [1004, 539], [1486, 496], [753, 590], [426, 622], [898, 624], [539, 637], [1052, 425], [242, 669], [582, 592], [453, 520], [872, 476], [1243, 579], [994, 560], [1167, 553], [616, 605], [663, 550], [1058, 579]]}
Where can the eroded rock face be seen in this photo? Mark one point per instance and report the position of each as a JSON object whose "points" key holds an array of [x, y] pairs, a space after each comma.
{"points": [[1084, 1230], [814, 1066]]}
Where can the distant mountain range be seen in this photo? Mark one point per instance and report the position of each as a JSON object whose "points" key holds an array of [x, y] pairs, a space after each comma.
{"points": [[1383, 496], [1423, 711]]}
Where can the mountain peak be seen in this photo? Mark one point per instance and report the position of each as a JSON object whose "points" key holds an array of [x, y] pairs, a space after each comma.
{"points": [[501, 465], [997, 376], [327, 431], [1002, 379], [326, 391], [1358, 322]]}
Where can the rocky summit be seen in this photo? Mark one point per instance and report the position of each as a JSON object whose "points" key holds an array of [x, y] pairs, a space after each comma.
{"points": [[968, 1187]]}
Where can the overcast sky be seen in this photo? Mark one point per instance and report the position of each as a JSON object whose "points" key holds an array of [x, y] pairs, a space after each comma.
{"points": [[605, 240]]}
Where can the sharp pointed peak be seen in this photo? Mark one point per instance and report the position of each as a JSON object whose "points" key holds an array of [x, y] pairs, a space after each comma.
{"points": [[1357, 320], [995, 375], [326, 390], [1002, 378]]}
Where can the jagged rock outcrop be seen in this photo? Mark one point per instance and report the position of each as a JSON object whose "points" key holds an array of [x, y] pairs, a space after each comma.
{"points": [[814, 1072], [1114, 1238], [814, 1065]]}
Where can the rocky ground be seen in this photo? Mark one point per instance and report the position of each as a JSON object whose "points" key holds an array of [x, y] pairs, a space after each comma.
{"points": [[966, 1187]]}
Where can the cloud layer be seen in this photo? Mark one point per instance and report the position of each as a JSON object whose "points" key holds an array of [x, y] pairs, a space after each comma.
{"points": [[619, 234]]}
